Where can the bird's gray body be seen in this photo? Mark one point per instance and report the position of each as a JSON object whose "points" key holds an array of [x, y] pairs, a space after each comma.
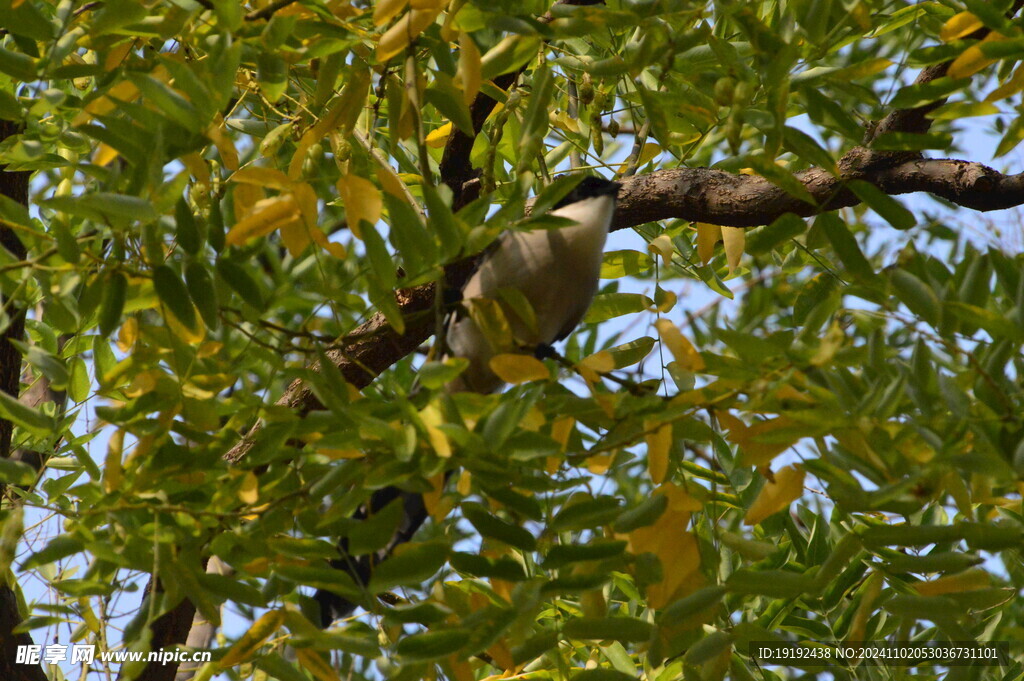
{"points": [[557, 272]]}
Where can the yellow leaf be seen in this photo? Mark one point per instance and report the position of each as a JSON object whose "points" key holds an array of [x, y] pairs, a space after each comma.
{"points": [[438, 137], [224, 144], [315, 663], [390, 181], [668, 301], [190, 336], [342, 113], [561, 429], [363, 201], [262, 177], [960, 25], [516, 369], [662, 245], [598, 363], [707, 237], [125, 91], [1011, 87], [405, 30], [104, 154], [249, 492], [659, 441], [295, 236], [465, 484], [468, 76], [733, 239], [431, 418], [432, 499], [333, 247], [968, 580], [777, 495], [117, 54], [648, 153], [756, 450], [128, 334], [197, 165], [676, 549], [267, 215], [680, 347], [973, 59], [385, 10], [246, 196], [113, 473], [599, 463], [866, 608], [261, 630]]}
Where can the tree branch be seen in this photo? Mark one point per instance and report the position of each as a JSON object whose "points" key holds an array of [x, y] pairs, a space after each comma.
{"points": [[14, 186], [733, 200]]}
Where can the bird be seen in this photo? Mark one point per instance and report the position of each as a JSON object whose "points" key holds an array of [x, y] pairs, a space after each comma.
{"points": [[556, 271]]}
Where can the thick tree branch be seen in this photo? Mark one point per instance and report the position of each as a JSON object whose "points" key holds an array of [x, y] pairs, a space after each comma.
{"points": [[733, 200], [14, 186]]}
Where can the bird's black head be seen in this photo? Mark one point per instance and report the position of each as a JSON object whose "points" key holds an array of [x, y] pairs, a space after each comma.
{"points": [[590, 187]]}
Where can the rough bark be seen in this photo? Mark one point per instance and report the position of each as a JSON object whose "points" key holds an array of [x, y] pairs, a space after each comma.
{"points": [[14, 186]]}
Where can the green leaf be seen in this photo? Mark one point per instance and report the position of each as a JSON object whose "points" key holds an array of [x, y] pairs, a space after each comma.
{"points": [[273, 75], [785, 227], [447, 99], [323, 577], [846, 247], [643, 515], [508, 55], [889, 208], [535, 120], [376, 532], [694, 604], [187, 229], [804, 146], [52, 367], [204, 295], [19, 66], [773, 583], [624, 629], [610, 305], [16, 473], [602, 675], [431, 645], [492, 527], [996, 325], [628, 354], [555, 192], [917, 296], [412, 566], [58, 548], [78, 386], [172, 293], [587, 514], [238, 279], [780, 177], [118, 208], [168, 102], [490, 568], [626, 263], [566, 554], [32, 420], [113, 303], [10, 107], [709, 647]]}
